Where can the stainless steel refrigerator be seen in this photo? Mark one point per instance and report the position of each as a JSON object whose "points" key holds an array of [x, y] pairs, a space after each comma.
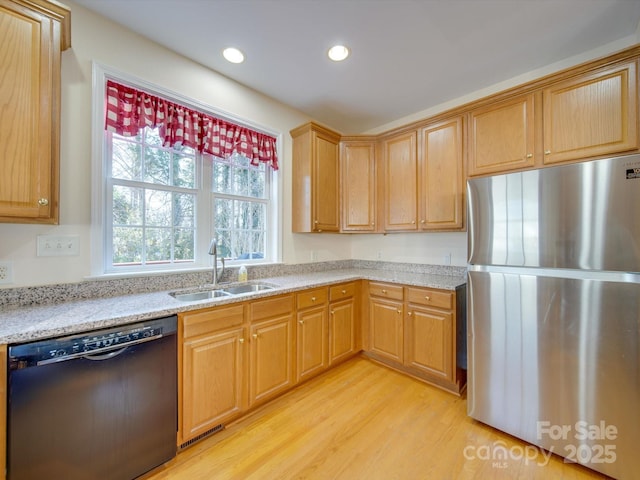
{"points": [[554, 309]]}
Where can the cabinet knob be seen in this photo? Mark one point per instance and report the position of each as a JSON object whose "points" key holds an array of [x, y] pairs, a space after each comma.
{"points": [[241, 340], [427, 298], [343, 291], [422, 221], [384, 291], [332, 312], [373, 224], [410, 313], [43, 202], [529, 155], [399, 311], [413, 222], [547, 152], [313, 299], [255, 336], [301, 322], [315, 222]]}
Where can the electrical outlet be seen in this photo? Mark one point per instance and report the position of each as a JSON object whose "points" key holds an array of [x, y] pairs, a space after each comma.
{"points": [[58, 245], [446, 259], [6, 272], [314, 256]]}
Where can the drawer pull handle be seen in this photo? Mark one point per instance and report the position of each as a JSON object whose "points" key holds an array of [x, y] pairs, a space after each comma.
{"points": [[43, 202], [529, 155]]}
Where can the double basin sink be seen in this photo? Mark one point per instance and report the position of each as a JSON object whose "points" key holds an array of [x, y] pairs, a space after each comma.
{"points": [[230, 291]]}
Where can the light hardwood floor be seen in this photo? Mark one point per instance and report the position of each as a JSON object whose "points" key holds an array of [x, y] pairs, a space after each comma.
{"points": [[361, 421]]}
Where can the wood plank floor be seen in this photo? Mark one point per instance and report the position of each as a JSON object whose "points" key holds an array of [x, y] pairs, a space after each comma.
{"points": [[361, 421]]}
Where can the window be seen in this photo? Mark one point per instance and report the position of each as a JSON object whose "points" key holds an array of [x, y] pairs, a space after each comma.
{"points": [[240, 201], [162, 205], [153, 197]]}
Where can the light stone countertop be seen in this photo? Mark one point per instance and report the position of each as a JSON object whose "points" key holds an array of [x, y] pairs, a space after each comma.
{"points": [[28, 323]]}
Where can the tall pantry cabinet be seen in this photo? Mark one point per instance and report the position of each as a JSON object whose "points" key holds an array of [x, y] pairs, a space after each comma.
{"points": [[33, 34]]}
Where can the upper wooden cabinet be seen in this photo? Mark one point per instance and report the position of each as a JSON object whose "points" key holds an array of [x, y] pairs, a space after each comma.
{"points": [[503, 136], [400, 179], [358, 185], [591, 115], [316, 187], [32, 34], [441, 198]]}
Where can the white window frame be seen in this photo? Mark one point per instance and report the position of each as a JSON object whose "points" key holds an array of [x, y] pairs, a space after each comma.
{"points": [[204, 213]]}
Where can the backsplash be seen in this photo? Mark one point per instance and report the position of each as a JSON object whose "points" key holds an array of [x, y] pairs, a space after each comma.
{"points": [[46, 294]]}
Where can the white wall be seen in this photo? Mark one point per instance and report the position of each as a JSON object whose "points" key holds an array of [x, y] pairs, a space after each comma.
{"points": [[97, 39]]}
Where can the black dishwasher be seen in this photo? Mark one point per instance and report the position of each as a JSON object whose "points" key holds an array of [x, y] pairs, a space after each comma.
{"points": [[98, 405]]}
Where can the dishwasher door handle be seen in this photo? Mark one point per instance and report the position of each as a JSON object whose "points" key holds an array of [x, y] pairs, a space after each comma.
{"points": [[100, 353], [105, 356]]}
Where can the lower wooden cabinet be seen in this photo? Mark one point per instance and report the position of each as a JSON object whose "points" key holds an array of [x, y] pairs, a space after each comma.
{"points": [[429, 341], [271, 348], [311, 333], [385, 329], [344, 334], [211, 369], [416, 330]]}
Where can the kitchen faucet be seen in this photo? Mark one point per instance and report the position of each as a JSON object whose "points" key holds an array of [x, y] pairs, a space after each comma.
{"points": [[213, 250]]}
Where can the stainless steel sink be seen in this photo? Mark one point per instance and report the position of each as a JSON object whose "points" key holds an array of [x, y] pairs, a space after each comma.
{"points": [[229, 291], [203, 295], [247, 288]]}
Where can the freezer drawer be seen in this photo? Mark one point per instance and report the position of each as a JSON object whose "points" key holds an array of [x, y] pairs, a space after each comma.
{"points": [[553, 360]]}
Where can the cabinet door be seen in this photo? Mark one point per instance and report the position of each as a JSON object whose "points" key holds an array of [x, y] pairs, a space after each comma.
{"points": [[29, 124], [212, 376], [442, 179], [385, 329], [271, 358], [428, 342], [502, 137], [312, 342], [342, 330], [591, 115], [400, 182], [326, 187], [358, 191]]}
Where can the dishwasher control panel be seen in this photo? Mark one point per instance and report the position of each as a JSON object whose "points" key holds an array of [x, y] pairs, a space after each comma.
{"points": [[87, 343]]}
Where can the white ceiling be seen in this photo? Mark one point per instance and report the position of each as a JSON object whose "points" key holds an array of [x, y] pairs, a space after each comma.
{"points": [[407, 55]]}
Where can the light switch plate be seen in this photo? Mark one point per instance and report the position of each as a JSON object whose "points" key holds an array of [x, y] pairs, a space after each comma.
{"points": [[6, 272], [58, 245]]}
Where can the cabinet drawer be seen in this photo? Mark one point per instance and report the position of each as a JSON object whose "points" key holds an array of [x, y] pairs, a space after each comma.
{"points": [[338, 292], [432, 298], [311, 298], [210, 320], [385, 290], [270, 307]]}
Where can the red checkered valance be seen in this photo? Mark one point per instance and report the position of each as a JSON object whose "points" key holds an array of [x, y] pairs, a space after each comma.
{"points": [[129, 110]]}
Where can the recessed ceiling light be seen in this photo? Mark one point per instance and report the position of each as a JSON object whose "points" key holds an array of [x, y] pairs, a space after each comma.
{"points": [[233, 55], [337, 53]]}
